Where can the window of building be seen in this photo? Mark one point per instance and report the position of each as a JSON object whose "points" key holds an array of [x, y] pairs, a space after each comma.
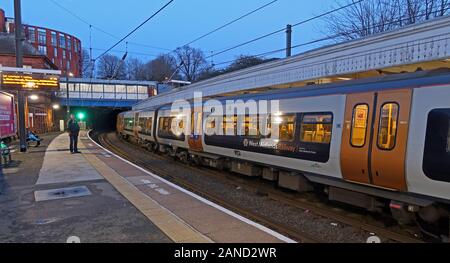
{"points": [[32, 34], [55, 52], [64, 54], [42, 36], [97, 87], [68, 66], [316, 127], [387, 129], [75, 46], [42, 50], [62, 40], [131, 89], [359, 125], [109, 88], [69, 42], [142, 90], [436, 157], [121, 89], [53, 38]]}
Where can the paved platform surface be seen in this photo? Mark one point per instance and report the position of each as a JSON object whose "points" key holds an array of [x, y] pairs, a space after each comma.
{"points": [[52, 194], [181, 215], [96, 213], [60, 166]]}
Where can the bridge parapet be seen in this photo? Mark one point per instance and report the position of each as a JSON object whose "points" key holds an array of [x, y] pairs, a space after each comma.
{"points": [[98, 92]]}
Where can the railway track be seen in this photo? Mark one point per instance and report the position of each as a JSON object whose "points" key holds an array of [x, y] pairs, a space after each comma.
{"points": [[258, 187], [285, 230]]}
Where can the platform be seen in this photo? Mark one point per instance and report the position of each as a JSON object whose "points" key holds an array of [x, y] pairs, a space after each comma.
{"points": [[181, 215]]}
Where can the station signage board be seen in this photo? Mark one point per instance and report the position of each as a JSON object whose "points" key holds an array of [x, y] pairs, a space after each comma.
{"points": [[34, 81]]}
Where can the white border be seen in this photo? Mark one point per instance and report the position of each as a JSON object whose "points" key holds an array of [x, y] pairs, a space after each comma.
{"points": [[223, 209]]}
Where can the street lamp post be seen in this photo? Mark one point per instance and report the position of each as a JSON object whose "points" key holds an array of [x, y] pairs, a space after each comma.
{"points": [[19, 64]]}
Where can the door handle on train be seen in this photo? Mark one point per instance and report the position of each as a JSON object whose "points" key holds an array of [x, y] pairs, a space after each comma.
{"points": [[376, 173], [362, 170]]}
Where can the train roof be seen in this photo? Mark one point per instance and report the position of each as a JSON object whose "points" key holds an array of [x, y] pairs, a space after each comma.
{"points": [[387, 82]]}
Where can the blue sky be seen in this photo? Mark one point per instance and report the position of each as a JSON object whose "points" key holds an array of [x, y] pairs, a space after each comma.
{"points": [[181, 22]]}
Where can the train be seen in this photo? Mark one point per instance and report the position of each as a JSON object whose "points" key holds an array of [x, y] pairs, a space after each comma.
{"points": [[379, 143]]}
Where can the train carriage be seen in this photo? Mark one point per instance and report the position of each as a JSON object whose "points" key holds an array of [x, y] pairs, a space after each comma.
{"points": [[371, 142]]}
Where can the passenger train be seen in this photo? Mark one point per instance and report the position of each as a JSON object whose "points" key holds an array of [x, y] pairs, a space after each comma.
{"points": [[378, 143]]}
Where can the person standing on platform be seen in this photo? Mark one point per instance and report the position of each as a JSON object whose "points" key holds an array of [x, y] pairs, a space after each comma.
{"points": [[74, 130]]}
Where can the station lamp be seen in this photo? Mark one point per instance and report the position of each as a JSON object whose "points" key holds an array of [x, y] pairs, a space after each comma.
{"points": [[34, 97], [55, 106]]}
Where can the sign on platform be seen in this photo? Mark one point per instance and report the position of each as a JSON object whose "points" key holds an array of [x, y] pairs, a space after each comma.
{"points": [[29, 81]]}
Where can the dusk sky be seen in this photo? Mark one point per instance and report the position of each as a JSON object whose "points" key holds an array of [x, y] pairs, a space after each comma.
{"points": [[178, 24]]}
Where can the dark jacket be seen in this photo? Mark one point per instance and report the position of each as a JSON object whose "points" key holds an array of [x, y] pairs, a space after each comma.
{"points": [[73, 127]]}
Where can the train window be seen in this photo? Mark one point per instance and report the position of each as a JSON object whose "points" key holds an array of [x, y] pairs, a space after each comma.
{"points": [[436, 156], [251, 125], [286, 126], [164, 124], [145, 125], [387, 128], [129, 124], [316, 128], [359, 125], [229, 125]]}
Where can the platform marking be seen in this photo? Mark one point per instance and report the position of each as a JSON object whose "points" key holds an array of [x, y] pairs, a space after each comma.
{"points": [[146, 181], [220, 208], [169, 223], [162, 191], [105, 154], [153, 186]]}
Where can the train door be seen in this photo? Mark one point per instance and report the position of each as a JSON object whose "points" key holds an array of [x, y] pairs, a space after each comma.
{"points": [[375, 137], [356, 137], [195, 139], [390, 139]]}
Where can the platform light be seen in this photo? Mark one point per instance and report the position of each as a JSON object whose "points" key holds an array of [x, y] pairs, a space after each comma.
{"points": [[70, 74], [55, 106], [33, 97]]}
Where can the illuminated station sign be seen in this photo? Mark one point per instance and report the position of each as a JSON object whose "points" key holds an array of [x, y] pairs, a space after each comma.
{"points": [[29, 81]]}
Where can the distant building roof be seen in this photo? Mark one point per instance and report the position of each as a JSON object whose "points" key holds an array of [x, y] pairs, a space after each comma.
{"points": [[8, 46]]}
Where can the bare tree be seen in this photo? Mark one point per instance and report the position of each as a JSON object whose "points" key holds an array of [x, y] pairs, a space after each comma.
{"points": [[374, 16], [87, 70], [161, 68], [111, 67], [136, 69], [192, 62], [240, 62]]}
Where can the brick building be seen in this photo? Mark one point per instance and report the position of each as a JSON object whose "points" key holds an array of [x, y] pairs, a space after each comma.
{"points": [[62, 49], [38, 107]]}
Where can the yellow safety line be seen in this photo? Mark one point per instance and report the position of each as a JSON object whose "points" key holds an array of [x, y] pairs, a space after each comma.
{"points": [[174, 227]]}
